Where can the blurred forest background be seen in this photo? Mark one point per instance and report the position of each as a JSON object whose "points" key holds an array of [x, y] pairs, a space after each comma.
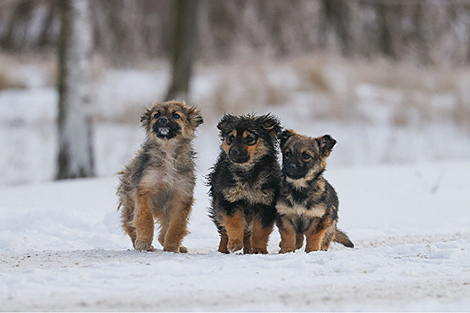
{"points": [[389, 79], [431, 32]]}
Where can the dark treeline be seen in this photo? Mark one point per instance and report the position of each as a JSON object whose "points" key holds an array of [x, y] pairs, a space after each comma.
{"points": [[423, 31]]}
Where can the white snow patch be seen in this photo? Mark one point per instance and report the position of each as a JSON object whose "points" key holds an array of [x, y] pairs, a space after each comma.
{"points": [[62, 248]]}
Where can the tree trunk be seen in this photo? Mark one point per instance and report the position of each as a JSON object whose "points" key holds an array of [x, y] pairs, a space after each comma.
{"points": [[183, 49], [75, 129], [17, 29], [337, 17]]}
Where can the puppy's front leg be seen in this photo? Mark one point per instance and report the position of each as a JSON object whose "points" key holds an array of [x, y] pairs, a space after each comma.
{"points": [[287, 232], [143, 221], [177, 229], [234, 225], [260, 237]]}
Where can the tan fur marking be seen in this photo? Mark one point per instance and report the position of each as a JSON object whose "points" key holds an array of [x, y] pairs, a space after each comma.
{"points": [[288, 236], [223, 243], [260, 238], [323, 162], [252, 150], [177, 228], [144, 223], [225, 146], [234, 226], [315, 236], [285, 209]]}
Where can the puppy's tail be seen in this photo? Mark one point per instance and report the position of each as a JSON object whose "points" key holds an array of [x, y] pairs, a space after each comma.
{"points": [[343, 239]]}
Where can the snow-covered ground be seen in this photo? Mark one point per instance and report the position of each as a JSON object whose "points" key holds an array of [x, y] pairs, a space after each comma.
{"points": [[61, 248]]}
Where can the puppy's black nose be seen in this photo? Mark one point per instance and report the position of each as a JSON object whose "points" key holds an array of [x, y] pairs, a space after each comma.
{"points": [[163, 120], [292, 166], [234, 151]]}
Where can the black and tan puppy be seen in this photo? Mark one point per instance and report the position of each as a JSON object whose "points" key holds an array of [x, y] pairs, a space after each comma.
{"points": [[244, 183], [308, 204], [159, 182]]}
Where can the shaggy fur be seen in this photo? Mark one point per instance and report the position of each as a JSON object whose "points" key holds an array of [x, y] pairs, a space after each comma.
{"points": [[244, 183], [159, 182], [308, 204]]}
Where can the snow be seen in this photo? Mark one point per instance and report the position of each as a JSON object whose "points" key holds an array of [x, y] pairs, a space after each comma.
{"points": [[62, 248]]}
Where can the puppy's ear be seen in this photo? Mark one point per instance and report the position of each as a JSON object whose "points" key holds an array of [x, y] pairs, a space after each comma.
{"points": [[194, 117], [326, 144], [284, 136], [271, 125], [224, 123], [146, 117]]}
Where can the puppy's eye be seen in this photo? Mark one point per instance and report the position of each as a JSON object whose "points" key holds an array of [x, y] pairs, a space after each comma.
{"points": [[157, 115], [288, 154], [230, 139], [306, 156], [176, 116], [250, 140]]}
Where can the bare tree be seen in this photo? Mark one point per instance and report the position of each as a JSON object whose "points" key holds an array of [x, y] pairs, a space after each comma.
{"points": [[17, 28], [183, 48], [75, 48]]}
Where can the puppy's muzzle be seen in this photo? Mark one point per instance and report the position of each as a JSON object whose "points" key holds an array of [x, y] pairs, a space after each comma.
{"points": [[164, 128], [294, 171], [238, 155]]}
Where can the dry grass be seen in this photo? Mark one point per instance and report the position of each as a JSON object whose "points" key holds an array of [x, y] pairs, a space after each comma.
{"points": [[312, 73], [245, 89], [8, 82], [412, 95]]}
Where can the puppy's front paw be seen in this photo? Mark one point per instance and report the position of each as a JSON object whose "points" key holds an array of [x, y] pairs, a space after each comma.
{"points": [[143, 245], [259, 251], [234, 245], [174, 249], [183, 249], [286, 250], [308, 249]]}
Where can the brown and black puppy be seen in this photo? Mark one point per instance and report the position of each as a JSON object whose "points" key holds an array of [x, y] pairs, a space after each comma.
{"points": [[244, 183], [159, 182], [308, 204]]}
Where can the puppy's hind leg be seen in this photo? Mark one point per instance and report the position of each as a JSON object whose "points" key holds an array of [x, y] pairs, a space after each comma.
{"points": [[127, 217], [329, 234], [130, 231], [164, 224], [316, 233], [223, 241], [247, 242]]}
